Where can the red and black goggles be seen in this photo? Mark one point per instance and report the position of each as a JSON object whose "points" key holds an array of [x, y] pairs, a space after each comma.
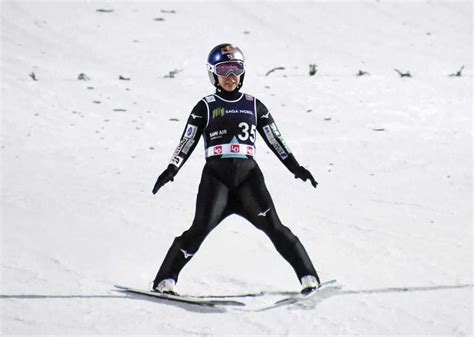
{"points": [[224, 69]]}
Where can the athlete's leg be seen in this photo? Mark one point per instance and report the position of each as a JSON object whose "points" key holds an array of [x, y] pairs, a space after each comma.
{"points": [[257, 207], [210, 207]]}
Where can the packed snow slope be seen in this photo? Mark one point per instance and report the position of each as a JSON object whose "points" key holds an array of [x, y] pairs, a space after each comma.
{"points": [[391, 219]]}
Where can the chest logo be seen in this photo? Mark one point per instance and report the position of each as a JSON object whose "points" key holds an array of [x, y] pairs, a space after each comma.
{"points": [[250, 150], [235, 148], [218, 112], [218, 150]]}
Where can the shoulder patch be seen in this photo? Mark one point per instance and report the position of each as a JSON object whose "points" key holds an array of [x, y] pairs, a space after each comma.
{"points": [[248, 97], [210, 98], [191, 131]]}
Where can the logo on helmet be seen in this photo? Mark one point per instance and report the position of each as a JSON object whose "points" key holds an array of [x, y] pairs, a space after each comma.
{"points": [[227, 49]]}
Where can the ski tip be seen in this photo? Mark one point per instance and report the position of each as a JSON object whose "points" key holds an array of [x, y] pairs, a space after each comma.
{"points": [[120, 287], [330, 283]]}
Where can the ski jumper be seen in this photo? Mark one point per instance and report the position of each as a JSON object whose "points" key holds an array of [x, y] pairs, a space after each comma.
{"points": [[231, 181]]}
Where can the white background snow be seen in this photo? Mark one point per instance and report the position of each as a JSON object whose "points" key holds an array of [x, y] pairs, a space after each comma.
{"points": [[391, 219]]}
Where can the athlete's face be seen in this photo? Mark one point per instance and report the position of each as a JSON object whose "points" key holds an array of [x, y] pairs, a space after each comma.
{"points": [[229, 83]]}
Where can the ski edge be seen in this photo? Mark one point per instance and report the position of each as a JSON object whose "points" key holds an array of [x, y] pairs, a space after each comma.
{"points": [[181, 298]]}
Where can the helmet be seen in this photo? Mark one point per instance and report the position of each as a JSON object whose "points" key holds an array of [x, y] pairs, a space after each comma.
{"points": [[223, 60]]}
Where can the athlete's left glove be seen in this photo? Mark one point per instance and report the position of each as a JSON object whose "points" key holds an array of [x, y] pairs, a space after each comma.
{"points": [[303, 174], [164, 178]]}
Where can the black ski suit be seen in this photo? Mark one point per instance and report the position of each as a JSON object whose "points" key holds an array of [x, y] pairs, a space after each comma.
{"points": [[231, 181]]}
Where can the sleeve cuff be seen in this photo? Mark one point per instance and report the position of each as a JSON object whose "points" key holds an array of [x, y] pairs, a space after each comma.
{"points": [[173, 169]]}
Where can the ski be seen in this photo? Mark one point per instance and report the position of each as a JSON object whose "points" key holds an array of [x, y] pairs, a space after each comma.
{"points": [[182, 298], [299, 297]]}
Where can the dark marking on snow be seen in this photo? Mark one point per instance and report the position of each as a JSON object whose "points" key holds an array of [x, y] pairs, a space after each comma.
{"points": [[405, 289], [458, 73], [274, 69], [362, 73], [403, 74], [83, 77], [172, 73]]}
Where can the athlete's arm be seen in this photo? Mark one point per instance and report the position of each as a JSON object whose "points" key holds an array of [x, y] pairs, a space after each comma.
{"points": [[190, 137], [268, 129]]}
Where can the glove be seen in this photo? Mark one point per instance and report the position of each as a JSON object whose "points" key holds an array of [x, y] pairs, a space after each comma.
{"points": [[164, 178], [303, 174]]}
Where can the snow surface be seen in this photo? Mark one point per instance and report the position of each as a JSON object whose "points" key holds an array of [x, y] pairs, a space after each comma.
{"points": [[391, 218]]}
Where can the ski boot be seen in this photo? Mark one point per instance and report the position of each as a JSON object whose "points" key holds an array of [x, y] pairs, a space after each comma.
{"points": [[166, 286], [309, 283]]}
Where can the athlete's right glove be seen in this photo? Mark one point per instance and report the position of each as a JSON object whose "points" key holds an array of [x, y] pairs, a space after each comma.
{"points": [[303, 174], [164, 178]]}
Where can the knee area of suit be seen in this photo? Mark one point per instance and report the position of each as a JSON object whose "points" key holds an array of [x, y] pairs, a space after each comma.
{"points": [[287, 239]]}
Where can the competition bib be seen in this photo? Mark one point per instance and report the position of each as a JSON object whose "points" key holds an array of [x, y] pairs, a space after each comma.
{"points": [[231, 128]]}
